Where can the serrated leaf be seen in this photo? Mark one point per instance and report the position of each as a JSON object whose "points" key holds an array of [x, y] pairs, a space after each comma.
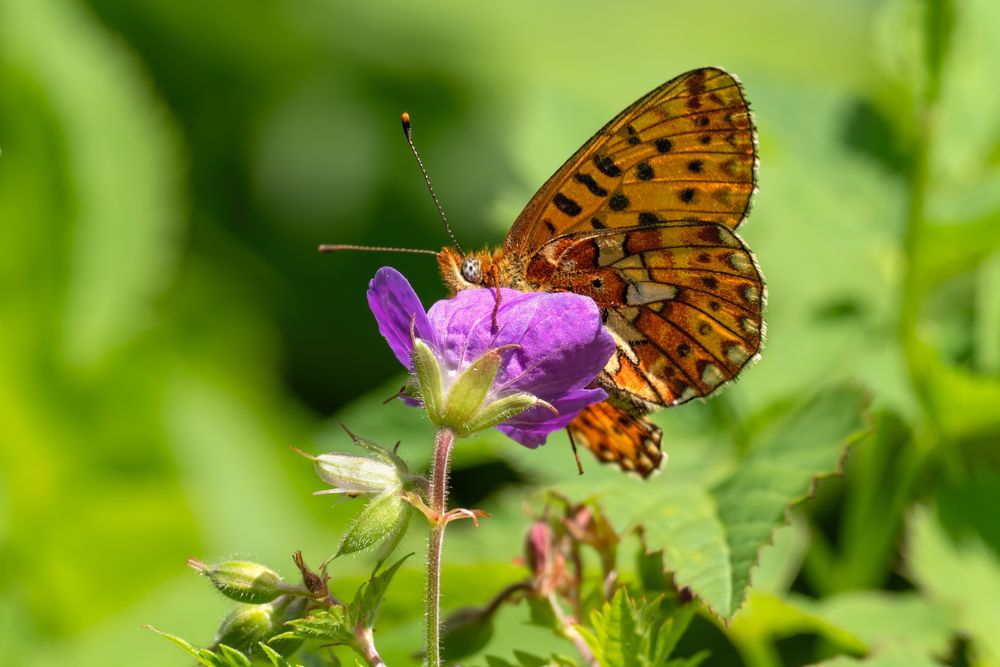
{"points": [[691, 661], [711, 534], [671, 631], [368, 599], [276, 658], [329, 625], [615, 637], [234, 658], [202, 655]]}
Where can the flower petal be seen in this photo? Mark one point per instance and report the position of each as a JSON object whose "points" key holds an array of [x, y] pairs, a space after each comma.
{"points": [[395, 306], [563, 344], [531, 427]]}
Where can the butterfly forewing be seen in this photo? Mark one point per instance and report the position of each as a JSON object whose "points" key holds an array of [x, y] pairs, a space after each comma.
{"points": [[685, 151], [683, 301]]}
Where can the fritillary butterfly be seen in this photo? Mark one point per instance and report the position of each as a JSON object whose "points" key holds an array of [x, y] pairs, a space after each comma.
{"points": [[641, 219]]}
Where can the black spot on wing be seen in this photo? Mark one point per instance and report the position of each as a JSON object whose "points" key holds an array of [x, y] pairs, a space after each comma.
{"points": [[566, 205], [618, 202]]}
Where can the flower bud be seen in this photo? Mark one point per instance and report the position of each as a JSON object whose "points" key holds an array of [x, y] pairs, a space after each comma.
{"points": [[357, 475], [242, 581], [249, 624], [245, 626], [382, 521]]}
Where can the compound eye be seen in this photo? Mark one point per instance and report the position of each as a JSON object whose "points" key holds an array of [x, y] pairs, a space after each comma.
{"points": [[470, 270]]}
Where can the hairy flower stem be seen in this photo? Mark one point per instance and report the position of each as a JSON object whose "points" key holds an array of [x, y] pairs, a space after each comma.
{"points": [[443, 442]]}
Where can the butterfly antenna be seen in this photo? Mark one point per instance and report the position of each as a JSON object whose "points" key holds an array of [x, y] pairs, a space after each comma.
{"points": [[408, 131], [334, 247]]}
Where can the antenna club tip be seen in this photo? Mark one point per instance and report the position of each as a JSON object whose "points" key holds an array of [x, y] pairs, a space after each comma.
{"points": [[405, 119]]}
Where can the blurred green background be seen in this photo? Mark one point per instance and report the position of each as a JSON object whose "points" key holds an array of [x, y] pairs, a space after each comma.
{"points": [[167, 327]]}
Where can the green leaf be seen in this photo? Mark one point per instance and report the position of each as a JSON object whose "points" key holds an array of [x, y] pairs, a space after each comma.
{"points": [[711, 536], [368, 600], [276, 658], [671, 632], [494, 661], [202, 655], [692, 661], [525, 659], [767, 618], [893, 658], [466, 631], [883, 620], [233, 657], [961, 575], [615, 636], [328, 625]]}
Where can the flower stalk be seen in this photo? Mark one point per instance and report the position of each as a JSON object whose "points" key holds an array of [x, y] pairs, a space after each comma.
{"points": [[443, 442]]}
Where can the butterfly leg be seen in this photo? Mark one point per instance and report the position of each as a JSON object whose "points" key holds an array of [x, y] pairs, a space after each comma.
{"points": [[496, 284], [576, 454]]}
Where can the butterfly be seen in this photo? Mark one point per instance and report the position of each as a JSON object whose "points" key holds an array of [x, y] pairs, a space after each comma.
{"points": [[641, 219]]}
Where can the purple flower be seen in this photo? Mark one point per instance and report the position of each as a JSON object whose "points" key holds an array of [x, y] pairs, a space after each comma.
{"points": [[547, 346]]}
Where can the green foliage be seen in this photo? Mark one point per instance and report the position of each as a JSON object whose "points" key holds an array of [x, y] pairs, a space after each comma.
{"points": [[962, 576], [225, 656], [711, 530], [635, 633]]}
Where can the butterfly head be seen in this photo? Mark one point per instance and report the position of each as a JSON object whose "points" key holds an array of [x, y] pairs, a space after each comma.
{"points": [[461, 272]]}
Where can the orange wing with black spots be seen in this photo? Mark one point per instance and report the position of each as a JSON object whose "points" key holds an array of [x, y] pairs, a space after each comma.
{"points": [[614, 436], [685, 151], [641, 219], [683, 300]]}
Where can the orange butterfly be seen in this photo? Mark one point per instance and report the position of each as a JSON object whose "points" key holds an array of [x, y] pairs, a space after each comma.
{"points": [[641, 220]]}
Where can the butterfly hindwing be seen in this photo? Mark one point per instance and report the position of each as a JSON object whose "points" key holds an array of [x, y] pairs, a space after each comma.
{"points": [[615, 436], [685, 151]]}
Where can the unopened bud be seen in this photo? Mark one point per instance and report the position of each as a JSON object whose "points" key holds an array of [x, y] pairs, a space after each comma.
{"points": [[242, 581], [383, 520], [245, 626], [248, 625], [357, 475]]}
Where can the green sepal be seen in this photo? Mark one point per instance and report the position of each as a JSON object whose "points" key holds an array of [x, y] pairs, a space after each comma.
{"points": [[466, 396], [499, 411], [383, 518], [428, 373]]}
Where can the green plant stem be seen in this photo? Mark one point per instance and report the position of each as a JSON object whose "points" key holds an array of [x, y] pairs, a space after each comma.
{"points": [[567, 627], [443, 442]]}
